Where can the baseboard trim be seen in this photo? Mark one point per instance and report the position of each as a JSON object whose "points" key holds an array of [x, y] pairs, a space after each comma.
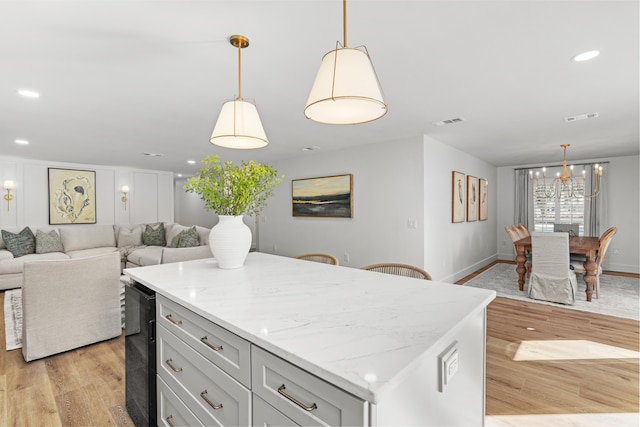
{"points": [[469, 270]]}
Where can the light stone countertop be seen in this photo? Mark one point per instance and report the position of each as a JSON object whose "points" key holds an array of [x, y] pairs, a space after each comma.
{"points": [[359, 330]]}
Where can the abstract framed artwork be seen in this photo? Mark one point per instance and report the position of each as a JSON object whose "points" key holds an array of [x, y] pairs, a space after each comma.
{"points": [[72, 196], [328, 196], [457, 196], [484, 200], [472, 198]]}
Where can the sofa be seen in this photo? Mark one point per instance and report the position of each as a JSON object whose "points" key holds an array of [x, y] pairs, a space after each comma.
{"points": [[170, 242], [64, 307]]}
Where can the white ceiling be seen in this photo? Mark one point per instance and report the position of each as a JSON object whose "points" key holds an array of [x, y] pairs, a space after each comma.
{"points": [[119, 78]]}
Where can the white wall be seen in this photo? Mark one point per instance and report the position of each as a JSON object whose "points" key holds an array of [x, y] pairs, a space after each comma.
{"points": [[387, 193], [621, 188], [454, 250], [30, 203]]}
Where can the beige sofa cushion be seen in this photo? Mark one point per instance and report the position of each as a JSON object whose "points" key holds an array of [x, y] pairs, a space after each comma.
{"points": [[5, 254], [10, 281], [170, 255], [149, 255], [83, 253], [76, 237], [16, 265]]}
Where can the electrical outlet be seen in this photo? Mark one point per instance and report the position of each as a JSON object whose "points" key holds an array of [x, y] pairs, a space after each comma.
{"points": [[275, 248], [346, 257], [412, 223], [449, 363], [616, 251]]}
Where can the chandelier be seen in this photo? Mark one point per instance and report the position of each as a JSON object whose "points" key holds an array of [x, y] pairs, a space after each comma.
{"points": [[565, 184]]}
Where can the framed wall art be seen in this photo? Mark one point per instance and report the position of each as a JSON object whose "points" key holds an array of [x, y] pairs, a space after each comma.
{"points": [[457, 196], [472, 198], [484, 200], [328, 196], [72, 196]]}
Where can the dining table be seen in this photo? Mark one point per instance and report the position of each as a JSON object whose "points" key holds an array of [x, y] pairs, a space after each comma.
{"points": [[583, 245]]}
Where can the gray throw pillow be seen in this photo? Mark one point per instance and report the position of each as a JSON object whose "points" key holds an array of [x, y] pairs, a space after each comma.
{"points": [[20, 244], [186, 239], [48, 242], [154, 237]]}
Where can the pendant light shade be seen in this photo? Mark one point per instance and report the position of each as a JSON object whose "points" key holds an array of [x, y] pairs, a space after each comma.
{"points": [[346, 89], [239, 127], [239, 124]]}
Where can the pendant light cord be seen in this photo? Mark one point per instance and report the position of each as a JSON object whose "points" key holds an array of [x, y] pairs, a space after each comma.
{"points": [[239, 73], [344, 21]]}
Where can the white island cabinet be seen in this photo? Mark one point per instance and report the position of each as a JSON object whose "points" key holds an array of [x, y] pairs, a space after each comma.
{"points": [[283, 341]]}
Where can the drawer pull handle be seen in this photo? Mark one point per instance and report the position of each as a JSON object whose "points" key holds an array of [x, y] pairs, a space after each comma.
{"points": [[296, 401], [172, 320], [170, 420], [206, 399], [173, 368], [205, 340]]}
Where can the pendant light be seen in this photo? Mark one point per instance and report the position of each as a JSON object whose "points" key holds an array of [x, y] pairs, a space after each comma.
{"points": [[239, 124], [346, 89]]}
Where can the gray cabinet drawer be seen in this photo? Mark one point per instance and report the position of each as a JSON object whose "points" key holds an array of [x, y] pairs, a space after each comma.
{"points": [[212, 395], [172, 412], [227, 350], [303, 397], [265, 415]]}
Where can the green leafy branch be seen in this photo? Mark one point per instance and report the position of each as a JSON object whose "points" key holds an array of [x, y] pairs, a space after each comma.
{"points": [[229, 189]]}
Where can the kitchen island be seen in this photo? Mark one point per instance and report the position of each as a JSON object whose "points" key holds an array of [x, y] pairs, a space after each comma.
{"points": [[315, 344]]}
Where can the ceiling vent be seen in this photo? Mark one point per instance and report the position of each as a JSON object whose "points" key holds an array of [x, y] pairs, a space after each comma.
{"points": [[153, 154], [581, 117], [449, 121]]}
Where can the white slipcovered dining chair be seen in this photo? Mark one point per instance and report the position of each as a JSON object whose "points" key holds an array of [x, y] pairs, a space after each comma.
{"points": [[551, 279]]}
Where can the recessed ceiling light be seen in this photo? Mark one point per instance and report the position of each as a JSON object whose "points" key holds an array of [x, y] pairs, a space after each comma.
{"points": [[28, 93], [179, 175], [585, 56], [22, 141], [191, 162]]}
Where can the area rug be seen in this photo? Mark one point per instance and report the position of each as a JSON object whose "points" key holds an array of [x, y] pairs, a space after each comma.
{"points": [[13, 314], [619, 296], [13, 318]]}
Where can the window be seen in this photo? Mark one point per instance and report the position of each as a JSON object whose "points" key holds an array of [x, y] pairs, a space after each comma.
{"points": [[565, 210]]}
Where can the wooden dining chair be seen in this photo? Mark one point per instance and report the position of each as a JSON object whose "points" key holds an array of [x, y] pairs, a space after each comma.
{"points": [[551, 278], [522, 231], [399, 270], [318, 257], [605, 240]]}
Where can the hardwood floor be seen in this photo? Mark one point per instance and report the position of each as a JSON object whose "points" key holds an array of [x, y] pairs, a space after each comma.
{"points": [[545, 366]]}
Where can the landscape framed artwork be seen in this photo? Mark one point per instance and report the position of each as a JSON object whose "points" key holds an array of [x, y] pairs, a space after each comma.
{"points": [[457, 196], [484, 200], [72, 196], [472, 198], [328, 196]]}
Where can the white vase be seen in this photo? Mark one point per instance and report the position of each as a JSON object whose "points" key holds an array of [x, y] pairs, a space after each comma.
{"points": [[230, 241]]}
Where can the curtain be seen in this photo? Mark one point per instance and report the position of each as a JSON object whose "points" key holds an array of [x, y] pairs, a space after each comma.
{"points": [[593, 212], [523, 209]]}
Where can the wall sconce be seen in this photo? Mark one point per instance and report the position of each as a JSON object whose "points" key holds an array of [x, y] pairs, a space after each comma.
{"points": [[125, 190], [8, 185]]}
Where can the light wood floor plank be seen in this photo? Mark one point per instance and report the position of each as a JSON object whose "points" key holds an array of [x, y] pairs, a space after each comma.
{"points": [[86, 386]]}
